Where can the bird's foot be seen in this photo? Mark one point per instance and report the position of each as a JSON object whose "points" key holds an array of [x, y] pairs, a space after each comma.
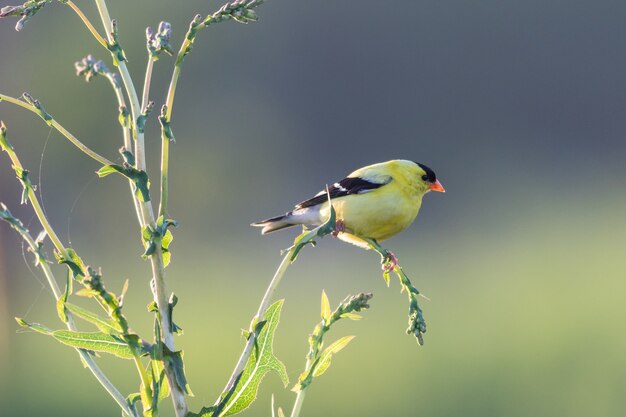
{"points": [[340, 227], [390, 261]]}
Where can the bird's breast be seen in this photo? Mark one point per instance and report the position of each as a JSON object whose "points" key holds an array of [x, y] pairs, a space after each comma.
{"points": [[378, 214]]}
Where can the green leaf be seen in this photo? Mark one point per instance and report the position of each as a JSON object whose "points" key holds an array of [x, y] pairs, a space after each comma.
{"points": [[73, 262], [351, 316], [63, 299], [98, 342], [133, 399], [205, 412], [258, 365], [86, 292], [175, 359], [141, 183], [107, 170], [327, 354], [165, 243], [325, 307], [4, 143], [159, 374], [33, 326], [386, 277], [104, 325]]}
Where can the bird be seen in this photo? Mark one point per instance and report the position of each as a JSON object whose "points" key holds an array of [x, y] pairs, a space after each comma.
{"points": [[372, 203]]}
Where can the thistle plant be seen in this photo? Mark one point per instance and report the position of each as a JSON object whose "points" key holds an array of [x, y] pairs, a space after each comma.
{"points": [[159, 365]]}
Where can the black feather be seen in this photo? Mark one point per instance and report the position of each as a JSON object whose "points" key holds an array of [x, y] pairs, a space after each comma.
{"points": [[342, 188], [430, 174]]}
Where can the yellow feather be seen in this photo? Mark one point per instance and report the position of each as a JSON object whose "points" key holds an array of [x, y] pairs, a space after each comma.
{"points": [[386, 211]]}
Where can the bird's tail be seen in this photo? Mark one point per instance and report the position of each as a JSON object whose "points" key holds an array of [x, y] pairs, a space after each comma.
{"points": [[276, 223]]}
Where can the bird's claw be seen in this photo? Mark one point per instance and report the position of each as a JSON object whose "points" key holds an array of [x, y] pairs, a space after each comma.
{"points": [[390, 261], [340, 227]]}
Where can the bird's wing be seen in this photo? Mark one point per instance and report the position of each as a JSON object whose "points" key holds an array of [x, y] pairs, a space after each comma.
{"points": [[347, 186]]}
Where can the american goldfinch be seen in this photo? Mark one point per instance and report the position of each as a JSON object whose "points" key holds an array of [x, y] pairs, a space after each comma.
{"points": [[375, 202]]}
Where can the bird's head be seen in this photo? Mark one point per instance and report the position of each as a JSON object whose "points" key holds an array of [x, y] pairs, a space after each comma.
{"points": [[427, 180]]}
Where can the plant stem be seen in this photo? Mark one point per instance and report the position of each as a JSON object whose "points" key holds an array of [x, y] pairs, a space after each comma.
{"points": [[127, 138], [87, 23], [146, 84], [87, 358], [297, 405], [128, 84], [156, 260], [165, 151], [121, 101], [58, 127], [165, 141], [245, 355]]}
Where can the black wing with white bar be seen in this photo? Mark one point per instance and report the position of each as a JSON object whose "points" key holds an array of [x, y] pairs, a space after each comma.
{"points": [[342, 188]]}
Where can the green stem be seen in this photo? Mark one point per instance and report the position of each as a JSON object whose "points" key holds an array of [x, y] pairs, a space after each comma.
{"points": [[87, 23], [267, 297], [32, 197], [127, 139], [128, 84], [301, 241], [297, 405], [156, 260], [417, 324], [146, 84], [56, 291], [58, 127], [165, 151], [121, 101], [165, 141]]}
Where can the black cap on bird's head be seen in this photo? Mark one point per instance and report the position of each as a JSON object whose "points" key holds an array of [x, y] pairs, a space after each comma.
{"points": [[430, 177]]}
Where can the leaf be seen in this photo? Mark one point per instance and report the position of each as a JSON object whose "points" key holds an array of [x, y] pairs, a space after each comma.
{"points": [[133, 399], [104, 325], [141, 183], [73, 262], [327, 354], [107, 170], [159, 372], [175, 359], [63, 299], [258, 365], [205, 412], [325, 307], [386, 277], [33, 326], [98, 342], [86, 292], [351, 316], [165, 243]]}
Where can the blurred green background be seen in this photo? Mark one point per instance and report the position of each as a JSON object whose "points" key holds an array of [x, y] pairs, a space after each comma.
{"points": [[518, 106]]}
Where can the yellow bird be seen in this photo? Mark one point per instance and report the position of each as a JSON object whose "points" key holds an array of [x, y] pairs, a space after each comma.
{"points": [[374, 202]]}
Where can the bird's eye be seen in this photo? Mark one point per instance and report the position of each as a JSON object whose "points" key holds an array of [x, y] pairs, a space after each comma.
{"points": [[425, 177]]}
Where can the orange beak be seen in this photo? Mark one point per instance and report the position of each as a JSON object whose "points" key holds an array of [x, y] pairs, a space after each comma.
{"points": [[436, 186]]}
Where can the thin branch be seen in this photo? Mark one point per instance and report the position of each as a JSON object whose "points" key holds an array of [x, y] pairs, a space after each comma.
{"points": [[17, 225], [247, 351], [156, 259], [146, 85], [87, 23], [38, 109], [127, 80], [305, 238]]}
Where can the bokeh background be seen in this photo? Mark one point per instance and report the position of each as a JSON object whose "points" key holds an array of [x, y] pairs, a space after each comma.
{"points": [[519, 106]]}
